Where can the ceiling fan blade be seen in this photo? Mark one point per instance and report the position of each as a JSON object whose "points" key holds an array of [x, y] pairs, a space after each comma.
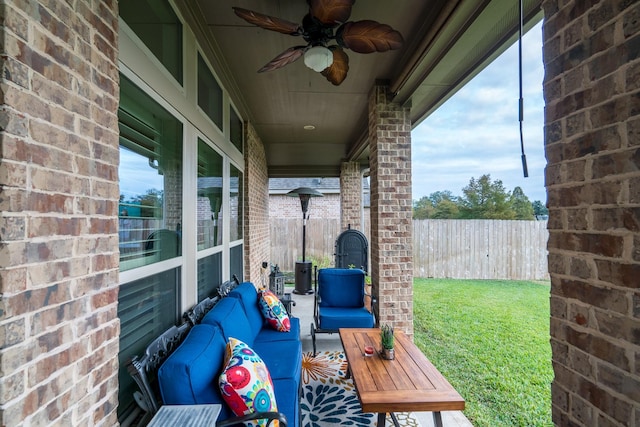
{"points": [[285, 58], [337, 72], [268, 22], [368, 36], [331, 12]]}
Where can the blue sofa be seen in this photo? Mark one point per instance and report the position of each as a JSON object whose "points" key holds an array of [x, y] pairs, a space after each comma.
{"points": [[190, 374]]}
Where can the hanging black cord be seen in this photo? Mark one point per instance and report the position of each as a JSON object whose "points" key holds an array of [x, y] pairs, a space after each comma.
{"points": [[521, 103]]}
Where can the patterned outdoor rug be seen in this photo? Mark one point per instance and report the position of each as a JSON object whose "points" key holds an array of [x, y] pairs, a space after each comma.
{"points": [[329, 399]]}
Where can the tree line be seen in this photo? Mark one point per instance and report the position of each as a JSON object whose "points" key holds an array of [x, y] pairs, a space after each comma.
{"points": [[481, 199]]}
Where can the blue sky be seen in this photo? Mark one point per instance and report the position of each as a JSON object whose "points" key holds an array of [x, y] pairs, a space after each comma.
{"points": [[476, 131]]}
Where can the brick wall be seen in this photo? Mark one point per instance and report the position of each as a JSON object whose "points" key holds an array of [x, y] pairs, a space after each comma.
{"points": [[256, 190], [592, 129], [391, 223], [283, 206], [351, 195], [59, 207]]}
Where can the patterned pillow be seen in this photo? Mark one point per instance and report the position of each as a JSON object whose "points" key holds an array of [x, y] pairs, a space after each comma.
{"points": [[273, 311], [245, 382]]}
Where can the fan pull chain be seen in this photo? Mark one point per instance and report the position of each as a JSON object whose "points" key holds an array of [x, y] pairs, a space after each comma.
{"points": [[523, 156]]}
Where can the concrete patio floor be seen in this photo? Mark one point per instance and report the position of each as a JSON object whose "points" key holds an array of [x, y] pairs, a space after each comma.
{"points": [[303, 309]]}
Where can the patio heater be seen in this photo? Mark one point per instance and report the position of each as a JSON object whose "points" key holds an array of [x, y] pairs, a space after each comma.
{"points": [[303, 269]]}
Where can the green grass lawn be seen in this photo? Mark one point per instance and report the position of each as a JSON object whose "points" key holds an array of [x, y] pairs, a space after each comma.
{"points": [[490, 339]]}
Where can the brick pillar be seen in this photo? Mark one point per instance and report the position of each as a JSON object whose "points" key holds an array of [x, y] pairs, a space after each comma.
{"points": [[59, 214], [350, 196], [391, 223], [256, 218], [592, 144]]}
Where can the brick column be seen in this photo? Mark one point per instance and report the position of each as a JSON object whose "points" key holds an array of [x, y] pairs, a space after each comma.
{"points": [[59, 217], [592, 144], [391, 223], [350, 196], [256, 218]]}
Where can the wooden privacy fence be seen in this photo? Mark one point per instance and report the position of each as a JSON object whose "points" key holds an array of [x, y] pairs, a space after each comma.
{"points": [[286, 241], [442, 248], [480, 249]]}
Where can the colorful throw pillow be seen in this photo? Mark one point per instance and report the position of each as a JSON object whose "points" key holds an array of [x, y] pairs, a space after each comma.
{"points": [[245, 382], [273, 311]]}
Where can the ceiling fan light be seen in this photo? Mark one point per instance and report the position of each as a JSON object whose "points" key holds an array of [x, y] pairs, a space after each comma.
{"points": [[318, 58]]}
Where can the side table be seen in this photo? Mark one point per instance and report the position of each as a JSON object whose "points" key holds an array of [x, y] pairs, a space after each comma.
{"points": [[186, 416]]}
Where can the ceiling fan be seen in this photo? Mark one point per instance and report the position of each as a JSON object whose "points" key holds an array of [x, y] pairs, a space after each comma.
{"points": [[326, 23]]}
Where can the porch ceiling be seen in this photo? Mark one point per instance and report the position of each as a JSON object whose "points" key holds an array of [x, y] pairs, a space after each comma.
{"points": [[447, 42]]}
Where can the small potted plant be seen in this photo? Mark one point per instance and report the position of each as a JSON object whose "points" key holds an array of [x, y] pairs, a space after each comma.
{"points": [[387, 340]]}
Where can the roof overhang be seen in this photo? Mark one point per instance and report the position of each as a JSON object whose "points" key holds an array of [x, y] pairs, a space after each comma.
{"points": [[447, 43]]}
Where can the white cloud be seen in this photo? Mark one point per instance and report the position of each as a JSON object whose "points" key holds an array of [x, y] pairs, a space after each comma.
{"points": [[476, 131]]}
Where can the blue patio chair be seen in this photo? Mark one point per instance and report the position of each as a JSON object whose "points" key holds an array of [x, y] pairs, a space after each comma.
{"points": [[339, 301]]}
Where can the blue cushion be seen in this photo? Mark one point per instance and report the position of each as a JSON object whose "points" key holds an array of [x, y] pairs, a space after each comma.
{"points": [[190, 375], [283, 358], [248, 296], [288, 399], [341, 287], [229, 315], [269, 334], [336, 317]]}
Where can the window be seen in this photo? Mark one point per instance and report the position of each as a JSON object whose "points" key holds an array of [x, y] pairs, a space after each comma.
{"points": [[150, 220], [150, 180], [209, 93], [160, 30], [209, 275], [158, 159], [146, 308], [209, 196], [236, 225], [236, 261], [235, 204], [235, 131]]}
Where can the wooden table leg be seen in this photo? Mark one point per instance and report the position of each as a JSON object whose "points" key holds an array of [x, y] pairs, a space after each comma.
{"points": [[437, 419]]}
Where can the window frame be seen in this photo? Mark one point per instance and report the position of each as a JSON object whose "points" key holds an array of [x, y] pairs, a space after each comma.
{"points": [[137, 63]]}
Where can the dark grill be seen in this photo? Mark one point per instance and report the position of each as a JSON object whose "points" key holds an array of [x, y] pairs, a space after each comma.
{"points": [[351, 250]]}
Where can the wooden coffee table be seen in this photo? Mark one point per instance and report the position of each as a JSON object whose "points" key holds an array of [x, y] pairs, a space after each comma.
{"points": [[408, 383]]}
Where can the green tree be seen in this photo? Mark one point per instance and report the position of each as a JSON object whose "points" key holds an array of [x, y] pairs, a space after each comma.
{"points": [[445, 205], [446, 209], [423, 208], [521, 204], [439, 196], [484, 199], [539, 208], [440, 205]]}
